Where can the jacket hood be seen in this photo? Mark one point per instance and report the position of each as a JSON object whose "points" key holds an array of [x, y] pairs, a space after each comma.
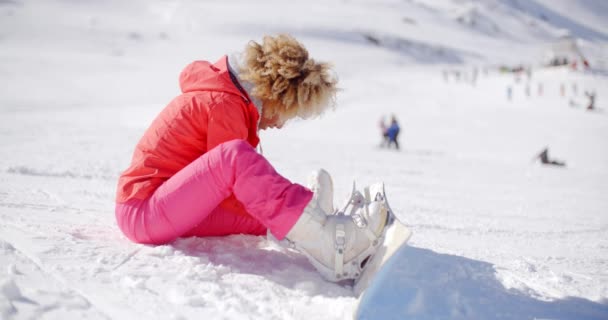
{"points": [[202, 75]]}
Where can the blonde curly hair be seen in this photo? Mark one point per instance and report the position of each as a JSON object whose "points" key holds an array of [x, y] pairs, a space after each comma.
{"points": [[287, 82]]}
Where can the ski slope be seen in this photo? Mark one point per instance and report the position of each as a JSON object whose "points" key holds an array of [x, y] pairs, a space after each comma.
{"points": [[496, 235]]}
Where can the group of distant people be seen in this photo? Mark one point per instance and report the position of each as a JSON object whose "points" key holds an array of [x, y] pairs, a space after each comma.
{"points": [[390, 133], [590, 95], [564, 61]]}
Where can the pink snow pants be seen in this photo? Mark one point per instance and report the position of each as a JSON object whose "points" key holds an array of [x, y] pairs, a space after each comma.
{"points": [[187, 203]]}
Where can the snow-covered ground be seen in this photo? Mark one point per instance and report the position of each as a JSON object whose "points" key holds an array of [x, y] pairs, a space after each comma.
{"points": [[496, 235]]}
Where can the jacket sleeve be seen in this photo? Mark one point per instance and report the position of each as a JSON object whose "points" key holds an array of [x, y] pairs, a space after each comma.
{"points": [[227, 121]]}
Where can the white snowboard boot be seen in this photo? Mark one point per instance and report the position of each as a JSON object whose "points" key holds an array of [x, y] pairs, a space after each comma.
{"points": [[339, 246], [322, 185]]}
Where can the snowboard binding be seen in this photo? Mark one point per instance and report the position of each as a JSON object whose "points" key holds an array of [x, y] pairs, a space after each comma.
{"points": [[371, 213], [349, 239]]}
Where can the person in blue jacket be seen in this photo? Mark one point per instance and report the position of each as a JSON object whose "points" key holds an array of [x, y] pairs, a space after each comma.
{"points": [[393, 133]]}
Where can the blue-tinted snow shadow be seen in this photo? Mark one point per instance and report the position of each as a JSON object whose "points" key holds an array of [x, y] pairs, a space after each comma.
{"points": [[559, 20], [419, 51], [430, 285], [256, 256]]}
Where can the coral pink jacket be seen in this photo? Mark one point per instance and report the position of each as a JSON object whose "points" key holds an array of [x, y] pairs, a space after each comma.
{"points": [[212, 109]]}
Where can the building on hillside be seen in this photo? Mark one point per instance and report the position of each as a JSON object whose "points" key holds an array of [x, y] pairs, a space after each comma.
{"points": [[565, 51]]}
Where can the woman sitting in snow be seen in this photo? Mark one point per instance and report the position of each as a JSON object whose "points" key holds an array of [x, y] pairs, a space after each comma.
{"points": [[196, 172]]}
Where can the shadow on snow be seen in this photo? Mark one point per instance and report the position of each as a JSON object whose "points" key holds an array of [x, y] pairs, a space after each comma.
{"points": [[427, 285], [423, 285]]}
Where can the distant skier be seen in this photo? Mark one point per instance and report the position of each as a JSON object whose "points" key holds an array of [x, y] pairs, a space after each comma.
{"points": [[195, 171], [591, 104], [543, 156], [392, 133]]}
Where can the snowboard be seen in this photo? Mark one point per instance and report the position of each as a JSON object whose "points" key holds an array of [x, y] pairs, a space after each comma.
{"points": [[378, 271]]}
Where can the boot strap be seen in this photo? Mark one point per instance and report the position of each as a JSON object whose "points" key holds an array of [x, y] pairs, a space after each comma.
{"points": [[340, 244]]}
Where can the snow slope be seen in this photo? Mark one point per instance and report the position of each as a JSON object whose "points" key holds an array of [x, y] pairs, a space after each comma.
{"points": [[495, 234]]}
